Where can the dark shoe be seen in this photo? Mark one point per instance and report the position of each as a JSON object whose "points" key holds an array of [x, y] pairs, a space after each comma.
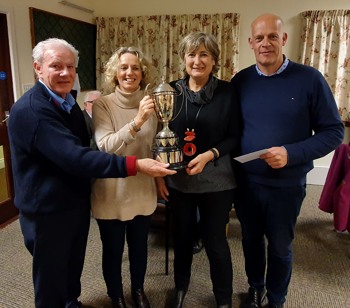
{"points": [[119, 303], [179, 299], [272, 305], [73, 304], [140, 299], [255, 298], [197, 246]]}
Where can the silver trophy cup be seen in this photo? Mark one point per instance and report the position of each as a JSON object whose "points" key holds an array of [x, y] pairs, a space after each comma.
{"points": [[166, 141]]}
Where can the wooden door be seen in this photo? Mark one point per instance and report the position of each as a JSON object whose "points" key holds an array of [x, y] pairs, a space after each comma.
{"points": [[7, 208]]}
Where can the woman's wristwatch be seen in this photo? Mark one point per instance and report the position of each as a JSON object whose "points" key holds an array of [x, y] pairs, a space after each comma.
{"points": [[134, 127]]}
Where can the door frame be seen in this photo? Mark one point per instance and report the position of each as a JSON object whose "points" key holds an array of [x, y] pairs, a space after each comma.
{"points": [[8, 211], [11, 34]]}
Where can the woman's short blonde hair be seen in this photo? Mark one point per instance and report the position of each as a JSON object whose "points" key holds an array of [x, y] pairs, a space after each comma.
{"points": [[111, 67], [192, 41]]}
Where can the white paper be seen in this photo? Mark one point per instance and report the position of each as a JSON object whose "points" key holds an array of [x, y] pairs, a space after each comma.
{"points": [[250, 156]]}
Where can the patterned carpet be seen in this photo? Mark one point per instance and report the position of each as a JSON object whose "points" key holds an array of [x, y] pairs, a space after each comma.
{"points": [[321, 273]]}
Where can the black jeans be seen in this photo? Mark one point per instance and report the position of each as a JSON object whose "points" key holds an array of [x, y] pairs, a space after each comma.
{"points": [[214, 209], [113, 234]]}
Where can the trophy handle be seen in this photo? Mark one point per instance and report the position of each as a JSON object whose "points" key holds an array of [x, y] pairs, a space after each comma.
{"points": [[182, 101], [146, 91]]}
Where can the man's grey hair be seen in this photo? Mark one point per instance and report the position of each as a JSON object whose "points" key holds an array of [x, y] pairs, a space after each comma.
{"points": [[40, 49], [91, 93]]}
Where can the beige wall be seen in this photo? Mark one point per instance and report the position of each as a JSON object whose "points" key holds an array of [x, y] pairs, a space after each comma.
{"points": [[20, 40]]}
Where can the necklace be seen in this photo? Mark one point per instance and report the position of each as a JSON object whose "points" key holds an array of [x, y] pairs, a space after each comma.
{"points": [[190, 148]]}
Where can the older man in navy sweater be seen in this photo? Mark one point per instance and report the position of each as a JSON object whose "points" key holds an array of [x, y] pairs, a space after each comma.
{"points": [[53, 167], [282, 104]]}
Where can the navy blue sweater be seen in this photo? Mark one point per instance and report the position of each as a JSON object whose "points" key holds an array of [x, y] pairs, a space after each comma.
{"points": [[52, 163], [284, 110]]}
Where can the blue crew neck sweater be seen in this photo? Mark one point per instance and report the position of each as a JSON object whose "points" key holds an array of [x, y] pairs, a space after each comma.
{"points": [[295, 109], [51, 160]]}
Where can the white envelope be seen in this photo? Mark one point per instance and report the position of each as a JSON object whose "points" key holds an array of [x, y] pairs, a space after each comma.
{"points": [[250, 156]]}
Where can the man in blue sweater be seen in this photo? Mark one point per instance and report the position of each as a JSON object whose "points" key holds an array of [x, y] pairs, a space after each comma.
{"points": [[288, 109], [53, 167]]}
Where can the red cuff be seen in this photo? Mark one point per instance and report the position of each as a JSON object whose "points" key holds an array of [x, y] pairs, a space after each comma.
{"points": [[131, 165]]}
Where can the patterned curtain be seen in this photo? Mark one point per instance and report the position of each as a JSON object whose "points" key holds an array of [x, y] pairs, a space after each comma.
{"points": [[325, 45], [158, 38]]}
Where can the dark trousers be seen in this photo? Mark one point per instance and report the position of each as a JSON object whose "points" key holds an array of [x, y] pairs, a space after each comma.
{"points": [[57, 243], [113, 233], [271, 213], [214, 209]]}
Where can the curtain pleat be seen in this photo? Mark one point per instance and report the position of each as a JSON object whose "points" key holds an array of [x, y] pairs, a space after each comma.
{"points": [[325, 45], [158, 37]]}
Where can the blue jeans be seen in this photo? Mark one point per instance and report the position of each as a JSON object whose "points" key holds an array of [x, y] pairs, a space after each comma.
{"points": [[268, 213]]}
